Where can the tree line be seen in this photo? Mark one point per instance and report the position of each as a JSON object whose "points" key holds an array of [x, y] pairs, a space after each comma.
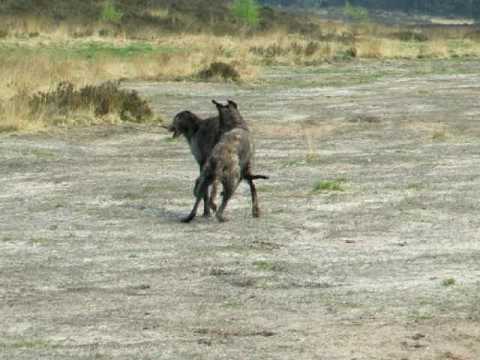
{"points": [[470, 8]]}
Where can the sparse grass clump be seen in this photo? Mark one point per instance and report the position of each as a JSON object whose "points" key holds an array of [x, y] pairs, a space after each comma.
{"points": [[439, 135], [449, 282], [328, 185], [409, 35], [266, 265]]}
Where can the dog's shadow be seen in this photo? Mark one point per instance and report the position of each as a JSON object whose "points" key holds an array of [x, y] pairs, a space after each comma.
{"points": [[168, 216]]}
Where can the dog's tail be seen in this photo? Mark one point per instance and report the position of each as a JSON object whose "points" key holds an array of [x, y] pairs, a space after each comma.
{"points": [[257, 177]]}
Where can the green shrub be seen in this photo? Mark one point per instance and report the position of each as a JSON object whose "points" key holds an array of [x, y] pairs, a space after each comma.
{"points": [[247, 11], [355, 13], [110, 13]]}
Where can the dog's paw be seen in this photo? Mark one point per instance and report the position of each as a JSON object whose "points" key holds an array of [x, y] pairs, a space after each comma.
{"points": [[187, 219]]}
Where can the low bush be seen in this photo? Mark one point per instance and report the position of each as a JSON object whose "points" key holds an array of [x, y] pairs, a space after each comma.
{"points": [[219, 70], [104, 99]]}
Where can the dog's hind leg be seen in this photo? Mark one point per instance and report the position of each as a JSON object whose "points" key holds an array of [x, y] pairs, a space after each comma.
{"points": [[253, 192], [228, 190], [213, 196], [249, 177], [206, 205]]}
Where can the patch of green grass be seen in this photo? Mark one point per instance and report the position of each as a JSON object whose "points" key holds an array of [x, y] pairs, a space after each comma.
{"points": [[329, 80], [39, 241], [267, 188], [449, 282], [415, 186], [312, 158], [266, 265], [86, 50], [329, 185], [43, 153], [96, 49], [27, 344], [127, 196], [232, 305], [152, 189], [421, 315], [294, 162], [424, 92], [439, 136]]}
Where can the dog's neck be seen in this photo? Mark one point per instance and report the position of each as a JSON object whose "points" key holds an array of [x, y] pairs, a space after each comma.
{"points": [[233, 120], [189, 135], [190, 132]]}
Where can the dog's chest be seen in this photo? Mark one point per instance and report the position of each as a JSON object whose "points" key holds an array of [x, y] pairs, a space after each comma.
{"points": [[196, 149]]}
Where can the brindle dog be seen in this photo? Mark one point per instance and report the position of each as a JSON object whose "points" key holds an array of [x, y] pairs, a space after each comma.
{"points": [[202, 135], [230, 162]]}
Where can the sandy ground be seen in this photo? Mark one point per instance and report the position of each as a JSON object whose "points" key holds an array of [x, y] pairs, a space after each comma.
{"points": [[94, 263]]}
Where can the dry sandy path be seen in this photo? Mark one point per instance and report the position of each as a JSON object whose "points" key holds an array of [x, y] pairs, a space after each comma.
{"points": [[95, 265]]}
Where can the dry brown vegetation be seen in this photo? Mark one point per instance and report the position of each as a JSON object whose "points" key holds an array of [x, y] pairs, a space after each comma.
{"points": [[36, 54]]}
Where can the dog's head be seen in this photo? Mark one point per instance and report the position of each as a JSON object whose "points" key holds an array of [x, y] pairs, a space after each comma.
{"points": [[228, 110], [230, 115], [184, 123]]}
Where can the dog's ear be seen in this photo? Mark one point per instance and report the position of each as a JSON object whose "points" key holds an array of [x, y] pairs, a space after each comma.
{"points": [[216, 103], [233, 103]]}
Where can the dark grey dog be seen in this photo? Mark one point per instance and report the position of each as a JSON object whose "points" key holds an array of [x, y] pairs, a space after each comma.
{"points": [[202, 135], [230, 162]]}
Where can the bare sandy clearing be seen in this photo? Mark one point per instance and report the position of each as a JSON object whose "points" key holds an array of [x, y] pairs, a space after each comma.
{"points": [[94, 263]]}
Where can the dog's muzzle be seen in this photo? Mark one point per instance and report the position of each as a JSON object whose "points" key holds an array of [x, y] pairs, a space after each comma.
{"points": [[173, 130]]}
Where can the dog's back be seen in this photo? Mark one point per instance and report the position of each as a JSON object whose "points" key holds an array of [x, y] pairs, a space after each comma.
{"points": [[205, 139]]}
